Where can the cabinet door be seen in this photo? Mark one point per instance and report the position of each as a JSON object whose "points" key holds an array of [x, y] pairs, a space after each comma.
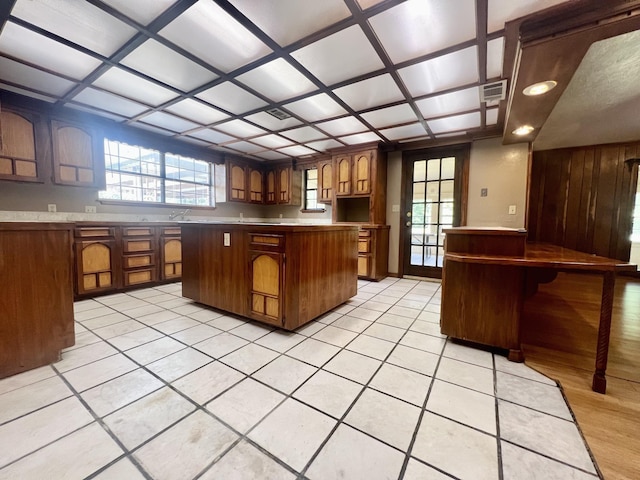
{"points": [[78, 157], [237, 182], [18, 148], [95, 265], [325, 182], [362, 173], [267, 278], [256, 186], [343, 175], [284, 185], [170, 253], [271, 187]]}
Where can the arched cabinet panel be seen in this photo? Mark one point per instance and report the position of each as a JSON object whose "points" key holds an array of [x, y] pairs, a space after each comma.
{"points": [[18, 159], [78, 157], [95, 265], [266, 286]]}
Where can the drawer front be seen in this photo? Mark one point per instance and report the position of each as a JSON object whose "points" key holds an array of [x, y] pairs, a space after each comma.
{"points": [[364, 233], [133, 261], [171, 231], [364, 245], [137, 245], [266, 241], [137, 231], [92, 232], [135, 277], [364, 265]]}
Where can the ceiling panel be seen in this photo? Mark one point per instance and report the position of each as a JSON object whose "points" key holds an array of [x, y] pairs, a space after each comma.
{"points": [[456, 122], [109, 102], [491, 116], [322, 145], [272, 123], [240, 129], [245, 147], [342, 126], [447, 71], [296, 151], [361, 138], [110, 116], [385, 117], [26, 93], [270, 155], [331, 62], [495, 57], [364, 4], [168, 121], [501, 11], [212, 136], [142, 11], [211, 34], [134, 87], [286, 21], [404, 132], [447, 104], [232, 98], [40, 50], [304, 134], [14, 72], [79, 22], [415, 28], [278, 80], [272, 141], [197, 111], [316, 108], [371, 92], [160, 62]]}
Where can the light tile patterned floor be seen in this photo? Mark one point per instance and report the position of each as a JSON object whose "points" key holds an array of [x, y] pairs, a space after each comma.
{"points": [[160, 387]]}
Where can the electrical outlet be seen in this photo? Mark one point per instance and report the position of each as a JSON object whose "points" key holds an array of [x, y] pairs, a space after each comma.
{"points": [[484, 192], [52, 207], [512, 209], [395, 208], [89, 209]]}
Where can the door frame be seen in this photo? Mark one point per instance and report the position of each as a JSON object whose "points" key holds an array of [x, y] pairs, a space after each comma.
{"points": [[462, 152]]}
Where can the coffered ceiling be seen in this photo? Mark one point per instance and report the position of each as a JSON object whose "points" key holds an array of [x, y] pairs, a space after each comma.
{"points": [[208, 72]]}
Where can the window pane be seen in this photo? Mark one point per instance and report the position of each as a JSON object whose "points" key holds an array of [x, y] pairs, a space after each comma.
{"points": [[431, 213], [432, 191], [433, 169], [420, 171], [418, 192], [448, 168], [417, 214], [446, 191]]}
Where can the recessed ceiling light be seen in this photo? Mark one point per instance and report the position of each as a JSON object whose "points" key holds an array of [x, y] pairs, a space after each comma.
{"points": [[523, 130], [539, 88]]}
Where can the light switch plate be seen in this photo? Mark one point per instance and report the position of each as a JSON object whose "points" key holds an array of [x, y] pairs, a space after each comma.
{"points": [[52, 207], [89, 209], [226, 239], [395, 208], [512, 209]]}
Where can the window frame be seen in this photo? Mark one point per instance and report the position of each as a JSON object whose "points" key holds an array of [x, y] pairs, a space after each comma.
{"points": [[305, 208]]}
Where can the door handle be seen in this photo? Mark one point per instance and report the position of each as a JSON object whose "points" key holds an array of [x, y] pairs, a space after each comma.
{"points": [[408, 224]]}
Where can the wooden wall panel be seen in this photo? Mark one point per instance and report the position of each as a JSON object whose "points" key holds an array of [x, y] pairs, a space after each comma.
{"points": [[582, 198]]}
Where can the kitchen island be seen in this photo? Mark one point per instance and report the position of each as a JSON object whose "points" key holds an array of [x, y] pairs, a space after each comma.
{"points": [[281, 274]]}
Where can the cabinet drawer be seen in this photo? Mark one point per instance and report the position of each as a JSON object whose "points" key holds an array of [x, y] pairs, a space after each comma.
{"points": [[171, 231], [364, 245], [133, 261], [266, 241], [364, 233], [364, 265], [89, 232], [137, 231], [137, 245], [135, 277]]}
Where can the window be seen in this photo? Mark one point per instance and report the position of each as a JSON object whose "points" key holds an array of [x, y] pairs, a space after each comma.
{"points": [[311, 190], [139, 174]]}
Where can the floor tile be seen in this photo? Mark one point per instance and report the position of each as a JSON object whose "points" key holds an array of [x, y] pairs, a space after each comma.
{"points": [[419, 471], [226, 322], [120, 391], [530, 429], [386, 418], [82, 356], [25, 378], [371, 347], [251, 331], [135, 339], [352, 454], [525, 465], [456, 449], [179, 364], [293, 432], [141, 311], [188, 309], [83, 338], [155, 350], [335, 336], [468, 354], [117, 329], [123, 469], [280, 341], [532, 394], [83, 305], [353, 324], [401, 383], [55, 461], [245, 404], [428, 343], [158, 317], [429, 317], [365, 314], [414, 359], [521, 370], [208, 382], [404, 311], [93, 313], [176, 325], [375, 305], [385, 332], [328, 392], [185, 449], [328, 317], [28, 433], [343, 309], [98, 372], [353, 366], [427, 328], [205, 315], [395, 320], [244, 461], [313, 351], [463, 405], [382, 298], [466, 375], [249, 358], [220, 345], [146, 417], [23, 400], [310, 328], [196, 334], [408, 303], [285, 374]]}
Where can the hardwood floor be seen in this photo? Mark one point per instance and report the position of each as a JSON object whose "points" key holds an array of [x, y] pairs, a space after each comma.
{"points": [[559, 335]]}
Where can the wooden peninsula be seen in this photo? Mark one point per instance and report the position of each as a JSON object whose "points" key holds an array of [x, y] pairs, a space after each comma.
{"points": [[281, 274]]}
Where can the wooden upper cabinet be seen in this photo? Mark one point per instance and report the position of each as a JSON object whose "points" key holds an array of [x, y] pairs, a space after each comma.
{"points": [[237, 182], [256, 186], [325, 181], [283, 186], [343, 175], [77, 155], [18, 147], [270, 184], [362, 173]]}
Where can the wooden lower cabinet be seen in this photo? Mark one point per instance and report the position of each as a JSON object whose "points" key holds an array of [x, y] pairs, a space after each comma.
{"points": [[266, 275], [36, 298], [373, 252], [113, 257]]}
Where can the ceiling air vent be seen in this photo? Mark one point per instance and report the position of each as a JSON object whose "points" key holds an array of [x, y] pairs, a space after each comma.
{"points": [[279, 114], [493, 92]]}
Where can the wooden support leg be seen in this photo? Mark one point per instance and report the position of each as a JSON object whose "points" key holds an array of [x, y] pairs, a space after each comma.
{"points": [[604, 329]]}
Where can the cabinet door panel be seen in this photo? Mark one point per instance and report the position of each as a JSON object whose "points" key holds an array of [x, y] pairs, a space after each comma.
{"points": [[271, 187], [256, 182], [362, 174], [284, 185], [17, 148], [238, 183], [266, 287], [77, 155], [95, 265], [171, 258], [325, 182], [343, 175]]}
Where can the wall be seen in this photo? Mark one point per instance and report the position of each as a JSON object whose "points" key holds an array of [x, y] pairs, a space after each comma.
{"points": [[501, 169]]}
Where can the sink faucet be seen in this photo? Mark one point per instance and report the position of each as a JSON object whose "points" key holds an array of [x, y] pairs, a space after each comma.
{"points": [[182, 214]]}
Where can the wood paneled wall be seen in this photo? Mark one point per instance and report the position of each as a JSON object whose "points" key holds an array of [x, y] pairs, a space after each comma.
{"points": [[582, 198]]}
